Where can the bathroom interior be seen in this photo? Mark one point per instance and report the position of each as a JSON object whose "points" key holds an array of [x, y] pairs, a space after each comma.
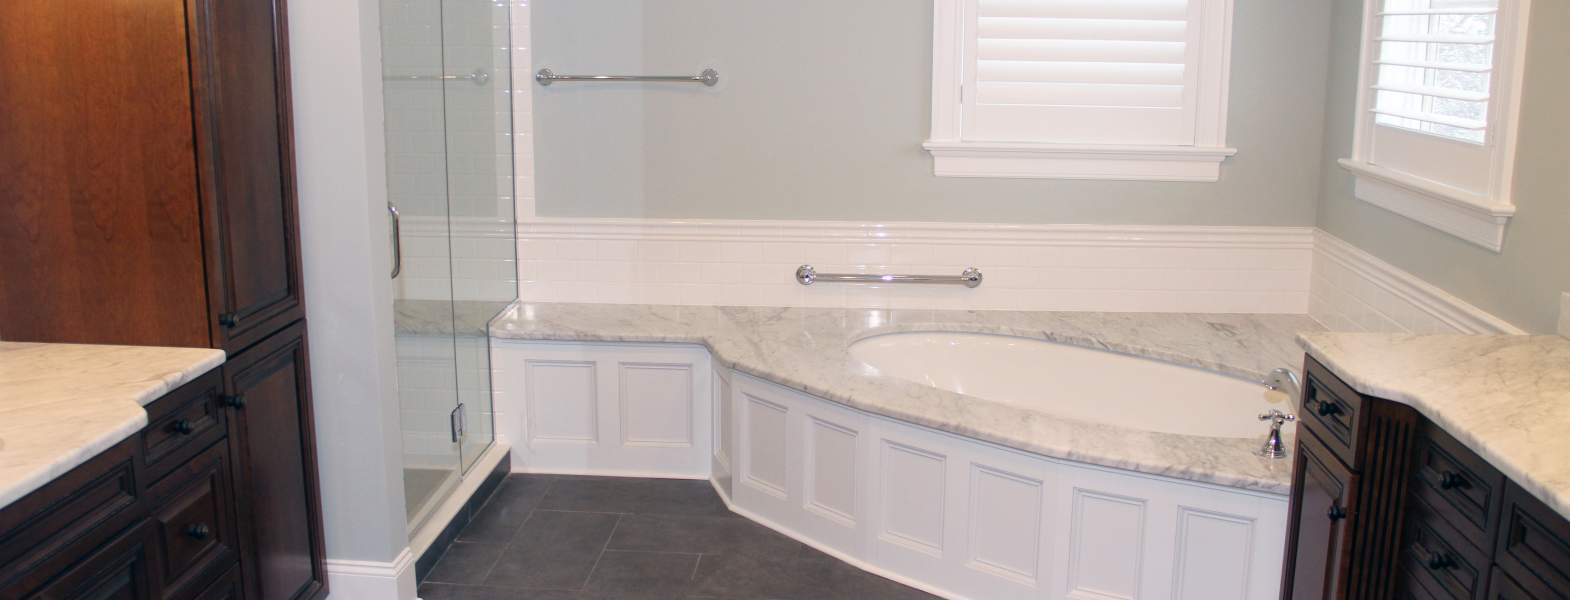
{"points": [[646, 299]]}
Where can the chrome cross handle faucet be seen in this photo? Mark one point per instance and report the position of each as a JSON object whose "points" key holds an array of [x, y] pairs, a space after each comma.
{"points": [[1273, 447]]}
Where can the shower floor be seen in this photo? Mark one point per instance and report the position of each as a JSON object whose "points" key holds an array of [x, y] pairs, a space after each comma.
{"points": [[419, 485]]}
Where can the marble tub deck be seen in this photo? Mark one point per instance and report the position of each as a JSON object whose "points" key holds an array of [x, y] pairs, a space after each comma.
{"points": [[61, 404], [1506, 397], [807, 349]]}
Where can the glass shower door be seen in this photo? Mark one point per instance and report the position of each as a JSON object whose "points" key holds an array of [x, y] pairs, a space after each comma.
{"points": [[449, 176]]}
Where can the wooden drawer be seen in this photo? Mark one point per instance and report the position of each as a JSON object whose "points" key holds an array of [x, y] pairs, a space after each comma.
{"points": [[228, 587], [1534, 543], [1502, 587], [1433, 559], [1459, 486], [41, 533], [182, 423], [1333, 412], [194, 517], [121, 569]]}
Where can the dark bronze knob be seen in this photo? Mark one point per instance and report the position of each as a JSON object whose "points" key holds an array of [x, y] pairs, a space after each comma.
{"points": [[1336, 513], [1450, 480], [229, 319], [1327, 409], [199, 531], [234, 400], [182, 427], [1440, 561]]}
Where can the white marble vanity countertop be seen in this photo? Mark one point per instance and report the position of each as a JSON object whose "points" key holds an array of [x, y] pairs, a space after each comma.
{"points": [[61, 404], [1507, 397], [807, 349]]}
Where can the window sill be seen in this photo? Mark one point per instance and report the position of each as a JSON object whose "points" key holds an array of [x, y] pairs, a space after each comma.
{"points": [[1064, 161], [1467, 216]]}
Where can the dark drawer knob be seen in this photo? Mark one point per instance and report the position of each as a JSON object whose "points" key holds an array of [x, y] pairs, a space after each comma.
{"points": [[1329, 409], [1440, 561], [199, 531], [182, 427], [1336, 513], [229, 320], [1450, 480], [234, 400]]}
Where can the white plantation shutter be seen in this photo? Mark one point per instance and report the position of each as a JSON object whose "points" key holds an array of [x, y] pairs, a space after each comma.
{"points": [[1434, 66], [1082, 71]]}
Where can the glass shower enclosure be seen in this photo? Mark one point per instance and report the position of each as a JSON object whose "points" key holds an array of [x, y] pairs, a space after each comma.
{"points": [[448, 122]]}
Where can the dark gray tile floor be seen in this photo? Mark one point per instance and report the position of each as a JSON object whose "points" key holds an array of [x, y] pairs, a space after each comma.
{"points": [[579, 538]]}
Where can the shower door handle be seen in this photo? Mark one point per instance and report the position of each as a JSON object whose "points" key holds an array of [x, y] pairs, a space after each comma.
{"points": [[397, 240]]}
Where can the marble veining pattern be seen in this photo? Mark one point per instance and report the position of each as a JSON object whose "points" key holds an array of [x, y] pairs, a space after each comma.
{"points": [[61, 404], [807, 349], [1506, 397]]}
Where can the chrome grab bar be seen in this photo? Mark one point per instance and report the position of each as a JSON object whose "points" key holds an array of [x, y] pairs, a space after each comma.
{"points": [[397, 239], [478, 76], [806, 275], [708, 77]]}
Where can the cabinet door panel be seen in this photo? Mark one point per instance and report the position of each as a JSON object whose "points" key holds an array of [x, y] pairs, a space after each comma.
{"points": [[243, 133], [1317, 541], [123, 569], [273, 433]]}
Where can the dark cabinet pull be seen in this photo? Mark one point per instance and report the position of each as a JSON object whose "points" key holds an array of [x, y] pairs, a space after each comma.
{"points": [[199, 531], [182, 427], [1450, 480], [233, 400], [229, 320], [1440, 561], [1328, 409], [1336, 513]]}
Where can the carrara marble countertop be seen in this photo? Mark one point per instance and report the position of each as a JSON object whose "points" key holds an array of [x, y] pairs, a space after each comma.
{"points": [[61, 404], [1507, 397], [808, 349]]}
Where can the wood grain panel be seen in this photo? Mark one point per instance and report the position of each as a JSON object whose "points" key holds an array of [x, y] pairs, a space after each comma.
{"points": [[100, 237]]}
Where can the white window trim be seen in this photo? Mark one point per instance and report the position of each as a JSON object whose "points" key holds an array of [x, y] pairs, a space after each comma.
{"points": [[1479, 219], [953, 156]]}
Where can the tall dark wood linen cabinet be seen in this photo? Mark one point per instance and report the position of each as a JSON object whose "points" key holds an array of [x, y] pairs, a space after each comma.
{"points": [[147, 198]]}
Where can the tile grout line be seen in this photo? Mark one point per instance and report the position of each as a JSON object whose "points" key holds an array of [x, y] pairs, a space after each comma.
{"points": [[507, 545], [601, 556]]}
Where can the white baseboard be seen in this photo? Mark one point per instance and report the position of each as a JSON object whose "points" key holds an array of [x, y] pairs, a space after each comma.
{"points": [[1027, 267], [1353, 290], [368, 580]]}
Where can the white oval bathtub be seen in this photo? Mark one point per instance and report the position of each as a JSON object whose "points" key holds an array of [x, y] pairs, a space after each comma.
{"points": [[1074, 382]]}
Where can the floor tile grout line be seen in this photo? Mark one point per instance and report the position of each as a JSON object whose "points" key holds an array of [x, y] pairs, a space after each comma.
{"points": [[507, 545], [601, 556], [694, 576]]}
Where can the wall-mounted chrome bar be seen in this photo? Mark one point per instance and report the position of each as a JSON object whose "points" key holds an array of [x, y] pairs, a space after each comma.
{"points": [[806, 275], [708, 77], [478, 76]]}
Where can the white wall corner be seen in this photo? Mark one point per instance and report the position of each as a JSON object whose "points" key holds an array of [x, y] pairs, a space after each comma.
{"points": [[357, 579], [1353, 290]]}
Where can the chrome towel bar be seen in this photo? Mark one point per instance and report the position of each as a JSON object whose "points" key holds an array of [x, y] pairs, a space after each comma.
{"points": [[806, 275], [478, 76], [708, 77]]}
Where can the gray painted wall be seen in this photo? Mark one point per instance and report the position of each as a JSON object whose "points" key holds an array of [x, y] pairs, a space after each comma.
{"points": [[823, 105], [1521, 284]]}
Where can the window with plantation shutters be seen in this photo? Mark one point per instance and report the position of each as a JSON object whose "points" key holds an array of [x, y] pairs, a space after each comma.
{"points": [[1103, 89], [1437, 112]]}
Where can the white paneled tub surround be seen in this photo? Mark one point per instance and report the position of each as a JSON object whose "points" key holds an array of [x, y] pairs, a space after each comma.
{"points": [[949, 514], [964, 496]]}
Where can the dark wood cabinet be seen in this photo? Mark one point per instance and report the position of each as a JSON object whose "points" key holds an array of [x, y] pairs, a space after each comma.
{"points": [[278, 483], [1426, 518], [149, 199], [245, 160], [123, 569], [1318, 544], [149, 161]]}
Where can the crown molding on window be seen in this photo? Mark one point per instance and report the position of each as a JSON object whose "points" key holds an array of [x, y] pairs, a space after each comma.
{"points": [[1076, 161], [1468, 216]]}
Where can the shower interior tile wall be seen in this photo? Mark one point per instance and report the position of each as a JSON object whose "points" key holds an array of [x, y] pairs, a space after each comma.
{"points": [[426, 394], [447, 157]]}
